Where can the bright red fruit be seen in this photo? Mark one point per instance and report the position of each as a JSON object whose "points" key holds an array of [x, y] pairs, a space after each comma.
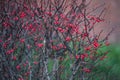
{"points": [[22, 14], [22, 40], [56, 18], [18, 67], [60, 45], [10, 51], [83, 56], [40, 45], [87, 48], [6, 24], [68, 39], [77, 56], [59, 29], [86, 70], [96, 44], [15, 18]]}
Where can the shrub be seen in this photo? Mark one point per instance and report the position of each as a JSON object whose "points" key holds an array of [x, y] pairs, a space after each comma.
{"points": [[54, 40]]}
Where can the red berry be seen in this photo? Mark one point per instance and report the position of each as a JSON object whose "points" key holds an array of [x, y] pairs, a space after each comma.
{"points": [[68, 39], [77, 56], [18, 67]]}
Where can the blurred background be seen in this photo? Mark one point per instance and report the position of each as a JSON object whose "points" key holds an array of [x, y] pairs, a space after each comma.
{"points": [[112, 14]]}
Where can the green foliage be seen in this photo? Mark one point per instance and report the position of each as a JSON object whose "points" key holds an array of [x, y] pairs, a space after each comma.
{"points": [[107, 69], [110, 67]]}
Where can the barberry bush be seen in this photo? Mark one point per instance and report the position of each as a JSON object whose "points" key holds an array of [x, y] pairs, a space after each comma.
{"points": [[50, 40]]}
